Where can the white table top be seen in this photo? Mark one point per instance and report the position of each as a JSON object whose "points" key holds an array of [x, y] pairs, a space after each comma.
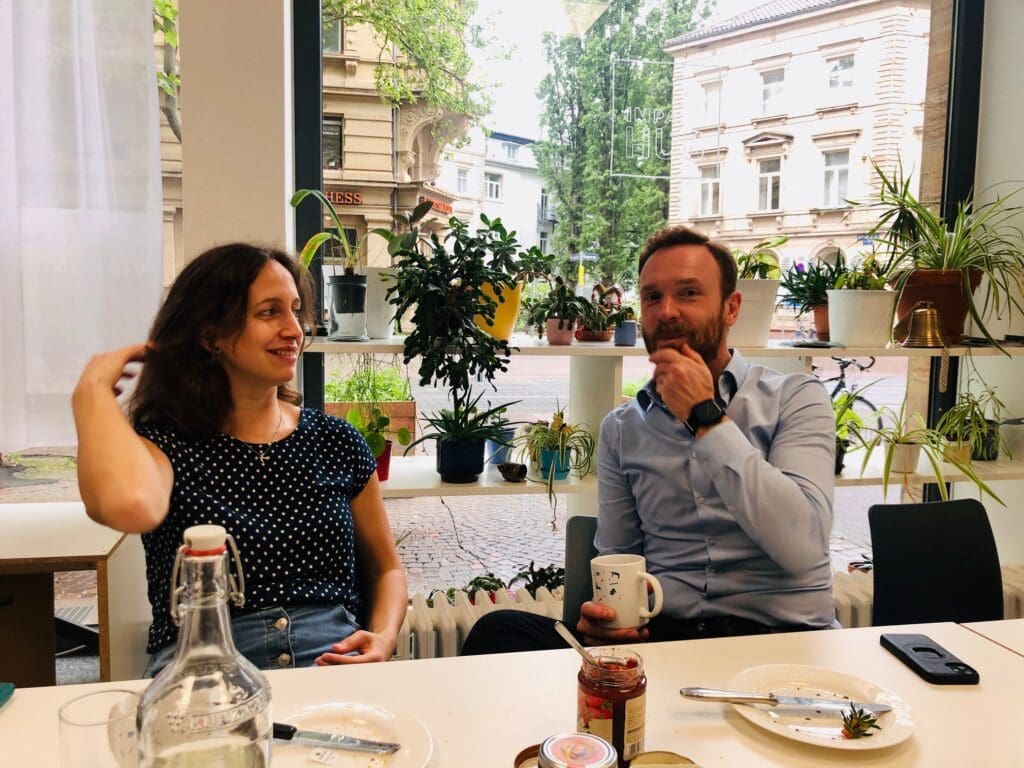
{"points": [[1009, 633], [482, 710], [52, 532]]}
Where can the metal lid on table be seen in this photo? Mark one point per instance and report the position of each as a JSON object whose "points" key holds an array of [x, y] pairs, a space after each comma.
{"points": [[576, 750]]}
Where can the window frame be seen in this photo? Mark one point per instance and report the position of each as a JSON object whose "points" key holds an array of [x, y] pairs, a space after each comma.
{"points": [[840, 175], [710, 190], [837, 74], [712, 117], [771, 93], [774, 185], [339, 27], [462, 181], [497, 180], [338, 120]]}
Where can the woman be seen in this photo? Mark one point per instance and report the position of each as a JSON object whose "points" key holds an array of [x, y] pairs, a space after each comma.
{"points": [[215, 435]]}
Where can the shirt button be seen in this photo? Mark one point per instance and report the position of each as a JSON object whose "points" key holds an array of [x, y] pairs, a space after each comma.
{"points": [[284, 659], [281, 623], [701, 499]]}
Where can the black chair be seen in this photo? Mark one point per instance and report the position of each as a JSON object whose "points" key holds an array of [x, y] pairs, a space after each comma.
{"points": [[934, 561], [579, 551]]}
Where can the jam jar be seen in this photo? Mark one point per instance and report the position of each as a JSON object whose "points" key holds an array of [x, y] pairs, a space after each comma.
{"points": [[612, 700]]}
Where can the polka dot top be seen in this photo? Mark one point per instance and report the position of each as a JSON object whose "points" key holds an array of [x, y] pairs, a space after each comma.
{"points": [[291, 516]]}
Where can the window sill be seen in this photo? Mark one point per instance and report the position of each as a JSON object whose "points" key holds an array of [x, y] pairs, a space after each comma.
{"points": [[850, 107], [777, 213], [831, 209], [758, 122], [710, 217]]}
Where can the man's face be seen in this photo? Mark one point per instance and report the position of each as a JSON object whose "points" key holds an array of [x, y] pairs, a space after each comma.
{"points": [[681, 301]]}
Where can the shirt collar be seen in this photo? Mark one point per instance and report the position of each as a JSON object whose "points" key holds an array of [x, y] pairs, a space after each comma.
{"points": [[729, 384]]}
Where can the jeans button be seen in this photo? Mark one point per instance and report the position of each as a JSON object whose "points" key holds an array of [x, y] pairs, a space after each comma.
{"points": [[284, 659], [281, 623]]}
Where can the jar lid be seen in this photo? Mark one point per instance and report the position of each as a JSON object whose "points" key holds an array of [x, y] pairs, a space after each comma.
{"points": [[576, 750]]}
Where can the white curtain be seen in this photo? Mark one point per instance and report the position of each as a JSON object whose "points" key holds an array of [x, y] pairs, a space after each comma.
{"points": [[80, 201]]}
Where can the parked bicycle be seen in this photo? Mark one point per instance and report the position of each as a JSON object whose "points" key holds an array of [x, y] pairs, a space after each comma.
{"points": [[863, 407]]}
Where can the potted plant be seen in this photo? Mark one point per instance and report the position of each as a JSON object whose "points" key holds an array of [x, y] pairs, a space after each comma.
{"points": [[598, 323], [758, 276], [374, 384], [519, 267], [624, 320], [347, 304], [550, 577], [859, 307], [557, 313], [902, 441], [807, 288], [440, 281], [555, 447], [846, 419], [972, 425], [943, 261], [373, 425]]}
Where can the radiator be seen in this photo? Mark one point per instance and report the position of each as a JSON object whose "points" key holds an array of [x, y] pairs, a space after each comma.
{"points": [[440, 630]]}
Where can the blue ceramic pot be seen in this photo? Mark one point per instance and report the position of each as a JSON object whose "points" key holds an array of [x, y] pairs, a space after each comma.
{"points": [[549, 456], [625, 334]]}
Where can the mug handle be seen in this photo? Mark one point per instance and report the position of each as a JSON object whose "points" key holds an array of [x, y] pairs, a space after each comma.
{"points": [[659, 597]]}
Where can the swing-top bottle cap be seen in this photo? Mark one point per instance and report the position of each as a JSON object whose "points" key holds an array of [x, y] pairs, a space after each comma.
{"points": [[205, 540]]}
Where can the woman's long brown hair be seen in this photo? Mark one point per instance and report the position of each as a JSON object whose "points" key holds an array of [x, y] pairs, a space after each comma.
{"points": [[181, 383]]}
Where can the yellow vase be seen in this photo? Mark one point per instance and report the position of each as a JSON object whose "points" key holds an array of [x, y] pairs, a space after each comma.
{"points": [[504, 314]]}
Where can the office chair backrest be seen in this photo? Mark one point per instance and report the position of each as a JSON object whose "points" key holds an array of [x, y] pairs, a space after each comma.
{"points": [[934, 561], [579, 551]]}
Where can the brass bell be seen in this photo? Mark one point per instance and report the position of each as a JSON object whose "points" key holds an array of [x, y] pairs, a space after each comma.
{"points": [[924, 328]]}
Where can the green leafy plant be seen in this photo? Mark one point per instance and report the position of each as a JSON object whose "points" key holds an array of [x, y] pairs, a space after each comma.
{"points": [[573, 444], [373, 425], [975, 418], [759, 262], [466, 422], [350, 251], [560, 303], [550, 577], [370, 381], [806, 286], [913, 431], [867, 274]]}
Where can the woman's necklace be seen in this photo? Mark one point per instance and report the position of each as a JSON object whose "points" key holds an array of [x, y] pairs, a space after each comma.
{"points": [[260, 451]]}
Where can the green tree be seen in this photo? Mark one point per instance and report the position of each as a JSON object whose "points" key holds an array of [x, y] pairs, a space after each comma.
{"points": [[596, 211], [432, 40]]}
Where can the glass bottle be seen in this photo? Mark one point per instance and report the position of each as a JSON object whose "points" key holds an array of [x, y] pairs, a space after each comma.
{"points": [[612, 701], [210, 707]]}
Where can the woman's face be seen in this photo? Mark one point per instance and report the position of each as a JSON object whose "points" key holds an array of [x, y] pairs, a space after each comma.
{"points": [[265, 351]]}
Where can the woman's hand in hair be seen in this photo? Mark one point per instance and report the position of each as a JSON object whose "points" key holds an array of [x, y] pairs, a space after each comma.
{"points": [[107, 370]]}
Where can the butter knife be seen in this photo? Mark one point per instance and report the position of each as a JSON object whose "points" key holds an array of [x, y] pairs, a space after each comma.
{"points": [[744, 697], [287, 732]]}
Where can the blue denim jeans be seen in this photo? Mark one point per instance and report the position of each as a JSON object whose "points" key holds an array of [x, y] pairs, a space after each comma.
{"points": [[284, 636]]}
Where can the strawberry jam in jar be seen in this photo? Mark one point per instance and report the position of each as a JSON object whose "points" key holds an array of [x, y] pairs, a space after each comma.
{"points": [[612, 700]]}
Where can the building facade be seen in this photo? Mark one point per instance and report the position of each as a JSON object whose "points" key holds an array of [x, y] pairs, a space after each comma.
{"points": [[497, 175], [780, 112]]}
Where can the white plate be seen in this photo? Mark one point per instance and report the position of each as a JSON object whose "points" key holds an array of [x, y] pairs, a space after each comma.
{"points": [[823, 730], [363, 721]]}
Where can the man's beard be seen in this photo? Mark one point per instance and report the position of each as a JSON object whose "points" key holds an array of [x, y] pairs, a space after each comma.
{"points": [[705, 340]]}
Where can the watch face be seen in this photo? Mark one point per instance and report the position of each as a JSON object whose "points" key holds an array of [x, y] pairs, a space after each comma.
{"points": [[706, 413]]}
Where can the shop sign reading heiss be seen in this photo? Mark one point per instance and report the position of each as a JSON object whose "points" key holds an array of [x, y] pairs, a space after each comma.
{"points": [[344, 198]]}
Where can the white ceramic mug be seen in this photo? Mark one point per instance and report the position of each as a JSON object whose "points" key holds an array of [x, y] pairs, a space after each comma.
{"points": [[620, 582]]}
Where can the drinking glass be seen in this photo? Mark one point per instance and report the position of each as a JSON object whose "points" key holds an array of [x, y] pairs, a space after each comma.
{"points": [[97, 730]]}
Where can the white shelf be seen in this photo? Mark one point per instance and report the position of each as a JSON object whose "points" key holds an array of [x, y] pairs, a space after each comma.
{"points": [[417, 476], [989, 471], [528, 345]]}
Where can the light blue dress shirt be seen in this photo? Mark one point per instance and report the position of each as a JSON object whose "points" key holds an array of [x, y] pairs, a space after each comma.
{"points": [[738, 522]]}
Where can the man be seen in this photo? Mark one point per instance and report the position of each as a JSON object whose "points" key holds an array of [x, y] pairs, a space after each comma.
{"points": [[720, 472]]}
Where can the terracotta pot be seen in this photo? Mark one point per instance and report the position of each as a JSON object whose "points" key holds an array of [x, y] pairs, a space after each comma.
{"points": [[586, 334], [401, 412], [559, 336], [821, 322], [942, 287]]}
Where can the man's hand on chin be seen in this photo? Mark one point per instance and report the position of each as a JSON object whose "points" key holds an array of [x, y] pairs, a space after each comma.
{"points": [[682, 379]]}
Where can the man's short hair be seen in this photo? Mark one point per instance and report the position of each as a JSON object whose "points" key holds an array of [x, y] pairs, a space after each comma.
{"points": [[680, 235]]}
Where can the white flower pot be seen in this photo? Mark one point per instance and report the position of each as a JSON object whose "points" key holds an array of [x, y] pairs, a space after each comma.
{"points": [[905, 458], [861, 318], [756, 310], [380, 315]]}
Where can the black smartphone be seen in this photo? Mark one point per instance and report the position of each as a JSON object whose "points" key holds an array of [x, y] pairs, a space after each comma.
{"points": [[929, 659]]}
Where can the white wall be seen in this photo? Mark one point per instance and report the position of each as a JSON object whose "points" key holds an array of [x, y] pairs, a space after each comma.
{"points": [[1001, 162]]}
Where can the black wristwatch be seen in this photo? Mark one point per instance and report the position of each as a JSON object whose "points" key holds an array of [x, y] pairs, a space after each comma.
{"points": [[706, 413]]}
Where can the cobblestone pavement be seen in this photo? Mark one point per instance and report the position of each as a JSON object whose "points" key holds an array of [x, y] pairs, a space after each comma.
{"points": [[449, 541]]}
